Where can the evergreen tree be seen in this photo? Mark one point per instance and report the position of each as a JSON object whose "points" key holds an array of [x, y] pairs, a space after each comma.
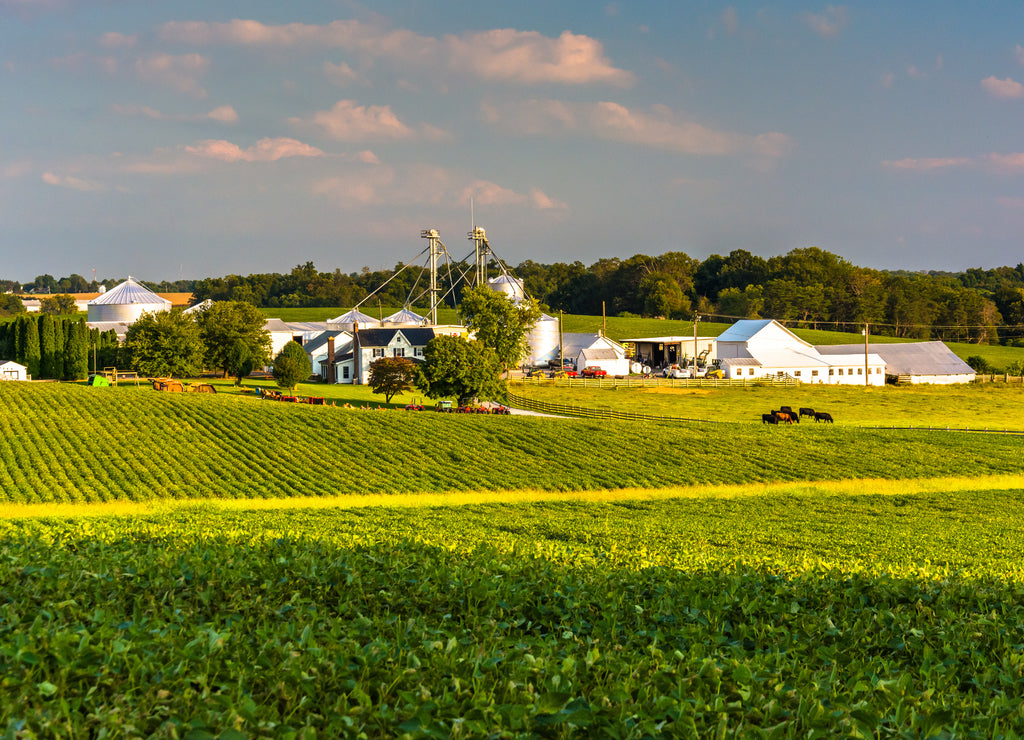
{"points": [[15, 341], [30, 343], [50, 364], [77, 352]]}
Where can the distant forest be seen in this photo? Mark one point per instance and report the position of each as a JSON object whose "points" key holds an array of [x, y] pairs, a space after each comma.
{"points": [[807, 287]]}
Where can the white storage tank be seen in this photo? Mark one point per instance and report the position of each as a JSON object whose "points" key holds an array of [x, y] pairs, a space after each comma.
{"points": [[510, 286], [405, 317], [125, 303], [543, 339]]}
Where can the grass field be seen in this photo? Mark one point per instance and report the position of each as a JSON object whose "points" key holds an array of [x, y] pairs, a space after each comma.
{"points": [[975, 406], [261, 570]]}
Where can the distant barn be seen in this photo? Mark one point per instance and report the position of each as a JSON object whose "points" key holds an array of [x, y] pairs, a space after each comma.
{"points": [[913, 362]]}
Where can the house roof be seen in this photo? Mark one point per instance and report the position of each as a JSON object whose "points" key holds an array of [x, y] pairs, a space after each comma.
{"points": [[737, 361], [416, 336], [277, 326], [910, 358], [321, 341], [599, 353], [11, 363]]}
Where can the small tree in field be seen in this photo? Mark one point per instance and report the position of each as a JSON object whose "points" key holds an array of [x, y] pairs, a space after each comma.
{"points": [[391, 376], [239, 360], [291, 366]]}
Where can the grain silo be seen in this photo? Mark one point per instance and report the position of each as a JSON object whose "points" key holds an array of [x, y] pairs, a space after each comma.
{"points": [[405, 317], [543, 340], [510, 286], [125, 303], [354, 319]]}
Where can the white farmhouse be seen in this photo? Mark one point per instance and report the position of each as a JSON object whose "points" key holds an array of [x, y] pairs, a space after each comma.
{"points": [[764, 348]]}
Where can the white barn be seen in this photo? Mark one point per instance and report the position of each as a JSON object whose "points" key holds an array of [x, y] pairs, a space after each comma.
{"points": [[914, 362], [11, 370], [765, 349]]}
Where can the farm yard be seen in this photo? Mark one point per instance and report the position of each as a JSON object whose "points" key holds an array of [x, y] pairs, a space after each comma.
{"points": [[193, 565]]}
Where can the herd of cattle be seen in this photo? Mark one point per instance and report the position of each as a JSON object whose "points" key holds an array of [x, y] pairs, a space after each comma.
{"points": [[786, 415]]}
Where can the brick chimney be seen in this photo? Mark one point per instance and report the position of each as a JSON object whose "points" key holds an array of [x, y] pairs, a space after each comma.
{"points": [[331, 372]]}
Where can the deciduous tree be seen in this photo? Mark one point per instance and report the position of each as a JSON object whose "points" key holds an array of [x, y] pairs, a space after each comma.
{"points": [[164, 343], [391, 376], [500, 323], [291, 366], [226, 322], [453, 366]]}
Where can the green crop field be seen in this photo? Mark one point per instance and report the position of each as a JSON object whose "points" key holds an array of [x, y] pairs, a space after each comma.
{"points": [[215, 566], [997, 406]]}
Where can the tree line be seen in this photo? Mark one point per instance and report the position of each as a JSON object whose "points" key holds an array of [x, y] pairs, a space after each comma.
{"points": [[809, 286], [54, 347]]}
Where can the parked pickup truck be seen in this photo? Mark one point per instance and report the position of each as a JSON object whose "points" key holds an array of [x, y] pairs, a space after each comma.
{"points": [[593, 372]]}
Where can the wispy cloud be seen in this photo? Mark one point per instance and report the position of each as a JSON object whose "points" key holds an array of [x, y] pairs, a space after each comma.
{"points": [[1018, 54], [341, 74], [730, 20], [827, 23], [1007, 89], [221, 114], [264, 150], [180, 73], [348, 121], [507, 55], [658, 127], [74, 183], [114, 40], [1005, 164]]}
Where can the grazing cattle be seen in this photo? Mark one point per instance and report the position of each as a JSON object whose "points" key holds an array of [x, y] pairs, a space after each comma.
{"points": [[785, 416], [823, 416], [804, 411], [787, 409], [769, 419]]}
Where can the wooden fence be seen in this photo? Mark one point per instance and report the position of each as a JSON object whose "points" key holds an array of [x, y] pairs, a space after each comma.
{"points": [[1009, 379], [635, 381]]}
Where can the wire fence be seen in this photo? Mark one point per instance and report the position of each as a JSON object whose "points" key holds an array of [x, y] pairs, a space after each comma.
{"points": [[636, 381]]}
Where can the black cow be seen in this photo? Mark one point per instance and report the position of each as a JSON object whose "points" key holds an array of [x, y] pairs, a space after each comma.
{"points": [[823, 416], [804, 411], [769, 419], [787, 409]]}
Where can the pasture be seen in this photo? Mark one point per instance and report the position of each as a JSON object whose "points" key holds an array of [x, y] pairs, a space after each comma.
{"points": [[192, 565], [977, 406]]}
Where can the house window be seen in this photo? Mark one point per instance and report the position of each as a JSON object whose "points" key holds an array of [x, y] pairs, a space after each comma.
{"points": [[398, 352], [378, 351], [860, 371], [749, 372], [344, 372], [814, 373], [831, 371], [417, 352], [840, 371], [796, 373]]}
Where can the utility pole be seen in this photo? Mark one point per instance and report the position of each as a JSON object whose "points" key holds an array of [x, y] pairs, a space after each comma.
{"points": [[561, 348], [867, 380], [604, 321], [696, 318]]}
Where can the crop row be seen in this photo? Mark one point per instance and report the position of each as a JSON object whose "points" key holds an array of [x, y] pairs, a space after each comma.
{"points": [[797, 616], [72, 443]]}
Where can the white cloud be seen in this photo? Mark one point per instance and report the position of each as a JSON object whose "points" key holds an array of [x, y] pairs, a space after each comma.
{"points": [[489, 194], [658, 128], [347, 121], [264, 150], [927, 164], [1006, 163], [1018, 53], [367, 157], [74, 183], [1002, 88], [114, 40], [524, 57], [730, 20], [341, 74], [180, 73], [542, 202], [828, 23], [221, 114]]}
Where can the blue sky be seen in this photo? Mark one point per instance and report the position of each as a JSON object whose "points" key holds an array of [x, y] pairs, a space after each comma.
{"points": [[193, 139]]}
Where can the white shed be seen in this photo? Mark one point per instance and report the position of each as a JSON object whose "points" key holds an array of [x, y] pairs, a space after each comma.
{"points": [[11, 370]]}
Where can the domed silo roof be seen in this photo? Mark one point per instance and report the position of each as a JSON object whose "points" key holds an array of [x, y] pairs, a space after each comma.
{"points": [[127, 302], [510, 286], [405, 316], [353, 318]]}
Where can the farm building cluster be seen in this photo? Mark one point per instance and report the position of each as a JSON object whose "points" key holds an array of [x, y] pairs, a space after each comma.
{"points": [[342, 349]]}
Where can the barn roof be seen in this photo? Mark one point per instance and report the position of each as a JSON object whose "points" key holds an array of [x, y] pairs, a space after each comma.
{"points": [[910, 358], [317, 343], [599, 353], [743, 330], [277, 325]]}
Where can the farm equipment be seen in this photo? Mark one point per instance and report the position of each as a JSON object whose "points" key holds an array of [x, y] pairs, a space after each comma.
{"points": [[202, 388], [168, 385]]}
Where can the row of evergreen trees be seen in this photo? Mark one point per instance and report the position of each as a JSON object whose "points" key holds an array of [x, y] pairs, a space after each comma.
{"points": [[56, 348]]}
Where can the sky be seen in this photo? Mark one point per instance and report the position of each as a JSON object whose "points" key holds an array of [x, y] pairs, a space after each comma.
{"points": [[191, 139]]}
